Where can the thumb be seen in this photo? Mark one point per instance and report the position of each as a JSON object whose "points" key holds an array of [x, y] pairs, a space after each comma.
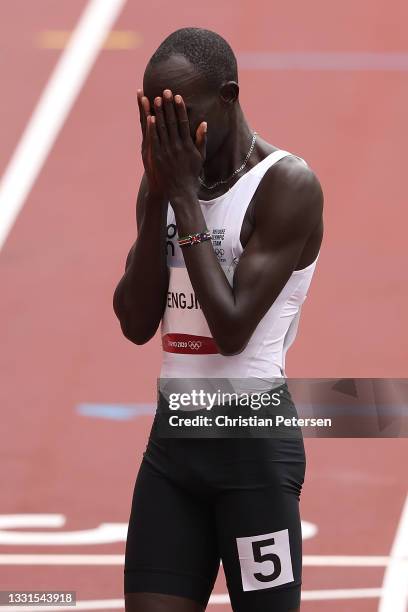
{"points": [[201, 139]]}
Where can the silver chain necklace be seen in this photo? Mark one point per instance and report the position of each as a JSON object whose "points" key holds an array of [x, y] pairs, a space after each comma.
{"points": [[222, 182]]}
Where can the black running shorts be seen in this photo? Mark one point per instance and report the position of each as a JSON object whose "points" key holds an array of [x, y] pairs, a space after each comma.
{"points": [[200, 501]]}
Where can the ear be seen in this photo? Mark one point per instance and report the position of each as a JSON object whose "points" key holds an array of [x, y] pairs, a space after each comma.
{"points": [[229, 92]]}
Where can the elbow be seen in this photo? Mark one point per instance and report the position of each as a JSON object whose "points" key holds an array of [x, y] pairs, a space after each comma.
{"points": [[233, 338], [134, 335], [130, 329], [231, 345]]}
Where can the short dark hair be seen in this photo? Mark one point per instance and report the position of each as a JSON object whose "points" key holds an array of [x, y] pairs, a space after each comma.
{"points": [[207, 51]]}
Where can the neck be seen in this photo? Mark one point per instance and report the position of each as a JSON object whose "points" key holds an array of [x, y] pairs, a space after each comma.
{"points": [[231, 152]]}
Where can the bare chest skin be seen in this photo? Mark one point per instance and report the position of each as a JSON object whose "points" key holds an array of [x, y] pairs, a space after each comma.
{"points": [[312, 246]]}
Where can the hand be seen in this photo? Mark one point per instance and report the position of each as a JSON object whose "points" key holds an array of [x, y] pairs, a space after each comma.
{"points": [[176, 158], [155, 186]]}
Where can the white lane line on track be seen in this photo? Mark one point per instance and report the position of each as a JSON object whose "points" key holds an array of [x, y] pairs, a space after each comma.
{"points": [[323, 60], [53, 107], [84, 559], [395, 583], [350, 561], [13, 521], [216, 599], [327, 594], [101, 534], [68, 559], [332, 594]]}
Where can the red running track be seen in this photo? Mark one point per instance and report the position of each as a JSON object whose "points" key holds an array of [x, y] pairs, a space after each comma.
{"points": [[61, 345]]}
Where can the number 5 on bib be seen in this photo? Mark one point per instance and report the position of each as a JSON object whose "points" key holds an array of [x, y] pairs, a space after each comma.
{"points": [[265, 560]]}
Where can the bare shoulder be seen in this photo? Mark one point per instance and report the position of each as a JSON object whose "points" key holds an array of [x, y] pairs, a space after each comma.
{"points": [[289, 196]]}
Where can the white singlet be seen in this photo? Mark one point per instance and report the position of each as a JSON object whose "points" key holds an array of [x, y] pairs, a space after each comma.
{"points": [[189, 350]]}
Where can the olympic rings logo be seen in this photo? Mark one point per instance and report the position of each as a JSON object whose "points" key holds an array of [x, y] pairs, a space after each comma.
{"points": [[195, 344], [219, 252]]}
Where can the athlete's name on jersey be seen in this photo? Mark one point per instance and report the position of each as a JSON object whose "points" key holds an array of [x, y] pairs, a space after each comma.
{"points": [[181, 300]]}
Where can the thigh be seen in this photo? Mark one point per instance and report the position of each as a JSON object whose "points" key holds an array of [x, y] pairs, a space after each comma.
{"points": [[171, 545], [157, 602], [260, 537]]}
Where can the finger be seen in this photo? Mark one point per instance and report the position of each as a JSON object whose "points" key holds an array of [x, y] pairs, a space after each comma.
{"points": [[146, 113], [182, 118], [170, 116], [144, 109], [153, 135], [160, 123], [146, 106], [141, 111], [201, 139]]}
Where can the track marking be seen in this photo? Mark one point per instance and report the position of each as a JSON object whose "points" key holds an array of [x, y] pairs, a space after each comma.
{"points": [[216, 599], [73, 559], [101, 534], [350, 561], [104, 533], [13, 521], [395, 583], [325, 595], [87, 604], [115, 40], [318, 60], [117, 412], [53, 108], [84, 559], [332, 594]]}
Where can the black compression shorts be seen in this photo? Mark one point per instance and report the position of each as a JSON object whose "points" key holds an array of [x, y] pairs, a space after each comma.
{"points": [[199, 501]]}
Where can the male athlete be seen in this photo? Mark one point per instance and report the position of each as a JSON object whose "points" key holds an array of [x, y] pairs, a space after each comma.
{"points": [[229, 232]]}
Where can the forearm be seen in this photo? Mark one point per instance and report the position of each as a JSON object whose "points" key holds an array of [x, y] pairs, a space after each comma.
{"points": [[140, 295], [211, 286]]}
